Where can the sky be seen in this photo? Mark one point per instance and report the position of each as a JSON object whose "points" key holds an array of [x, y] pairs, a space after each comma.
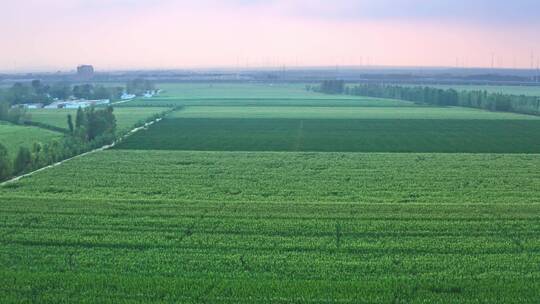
{"points": [[50, 35]]}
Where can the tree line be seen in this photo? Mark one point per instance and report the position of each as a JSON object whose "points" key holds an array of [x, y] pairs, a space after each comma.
{"points": [[91, 129], [139, 86], [330, 87], [480, 99], [39, 92]]}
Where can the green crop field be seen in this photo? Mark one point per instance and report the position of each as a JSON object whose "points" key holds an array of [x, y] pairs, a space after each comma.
{"points": [[14, 136], [255, 193], [345, 113], [291, 177], [294, 95], [125, 117], [232, 91], [343, 135], [274, 228], [265, 102]]}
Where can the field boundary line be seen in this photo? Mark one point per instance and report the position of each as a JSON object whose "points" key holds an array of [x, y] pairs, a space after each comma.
{"points": [[103, 148]]}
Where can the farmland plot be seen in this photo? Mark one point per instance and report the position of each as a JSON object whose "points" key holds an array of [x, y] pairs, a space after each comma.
{"points": [[125, 117], [274, 228], [15, 136], [341, 135]]}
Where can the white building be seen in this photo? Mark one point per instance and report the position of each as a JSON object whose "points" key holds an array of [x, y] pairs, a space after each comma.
{"points": [[127, 96], [28, 106], [150, 94], [77, 104]]}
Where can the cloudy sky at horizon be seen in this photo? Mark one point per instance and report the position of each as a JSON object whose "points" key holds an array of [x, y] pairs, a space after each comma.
{"points": [[125, 34]]}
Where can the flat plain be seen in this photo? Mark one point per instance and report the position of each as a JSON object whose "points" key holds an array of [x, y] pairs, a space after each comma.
{"points": [[151, 221]]}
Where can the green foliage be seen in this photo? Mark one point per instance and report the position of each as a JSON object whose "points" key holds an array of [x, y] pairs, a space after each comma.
{"points": [[126, 117], [70, 123], [91, 92], [450, 97], [23, 161], [91, 123], [139, 86], [5, 163], [332, 87], [14, 115], [38, 92]]}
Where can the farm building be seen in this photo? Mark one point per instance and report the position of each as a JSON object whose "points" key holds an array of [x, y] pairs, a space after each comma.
{"points": [[127, 96], [150, 94], [75, 104], [29, 106]]}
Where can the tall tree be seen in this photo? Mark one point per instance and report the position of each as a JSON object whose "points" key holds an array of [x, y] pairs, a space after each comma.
{"points": [[70, 123], [80, 118], [5, 163], [23, 161]]}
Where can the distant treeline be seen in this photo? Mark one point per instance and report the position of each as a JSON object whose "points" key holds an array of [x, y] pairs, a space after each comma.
{"points": [[441, 97], [330, 87], [13, 115], [139, 86], [39, 92]]}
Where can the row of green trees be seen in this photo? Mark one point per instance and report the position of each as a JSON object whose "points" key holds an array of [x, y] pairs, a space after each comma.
{"points": [[331, 87], [480, 99], [43, 154], [91, 123], [89, 130], [39, 92], [139, 86], [92, 129], [13, 115]]}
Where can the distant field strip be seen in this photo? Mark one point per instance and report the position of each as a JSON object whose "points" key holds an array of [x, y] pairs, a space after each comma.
{"points": [[15, 136], [274, 228], [341, 135], [268, 102], [125, 117], [230, 91], [345, 113]]}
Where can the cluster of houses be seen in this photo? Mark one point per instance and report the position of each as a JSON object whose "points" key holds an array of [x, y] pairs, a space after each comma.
{"points": [[150, 94], [64, 104], [147, 94], [81, 103]]}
